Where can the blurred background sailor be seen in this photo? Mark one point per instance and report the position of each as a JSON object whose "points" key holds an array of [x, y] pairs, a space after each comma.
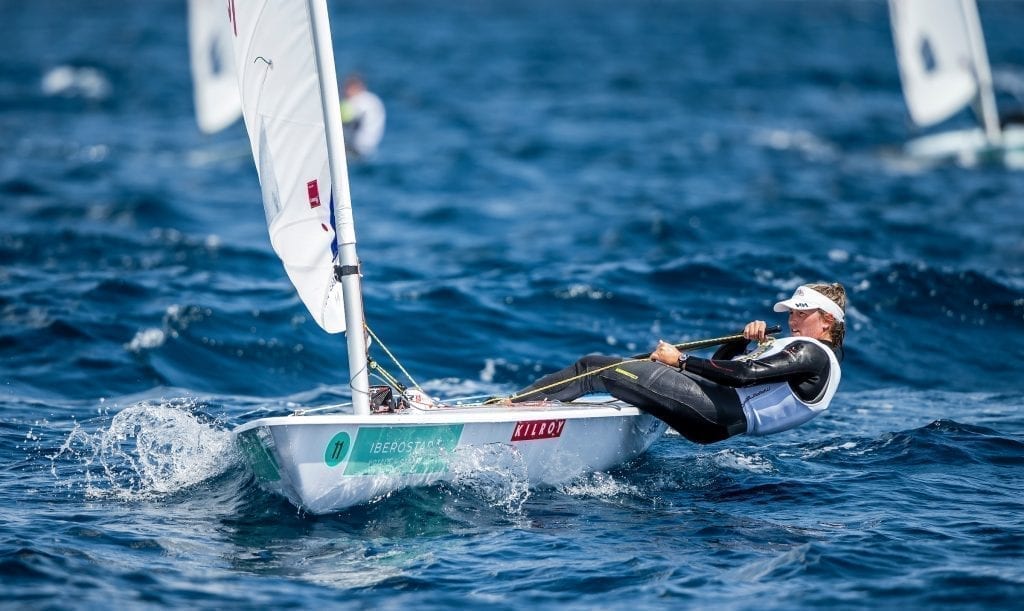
{"points": [[362, 116]]}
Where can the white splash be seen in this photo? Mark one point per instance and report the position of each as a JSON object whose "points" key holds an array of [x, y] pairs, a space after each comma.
{"points": [[148, 451], [599, 485], [753, 463], [819, 452], [495, 472], [838, 255], [582, 290], [801, 141], [176, 319], [487, 373], [146, 340], [71, 81]]}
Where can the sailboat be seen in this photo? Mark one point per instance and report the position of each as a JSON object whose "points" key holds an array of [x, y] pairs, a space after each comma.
{"points": [[943, 64], [327, 459], [211, 58]]}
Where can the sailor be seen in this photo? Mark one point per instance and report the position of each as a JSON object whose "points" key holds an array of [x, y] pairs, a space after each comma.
{"points": [[779, 385], [362, 117]]}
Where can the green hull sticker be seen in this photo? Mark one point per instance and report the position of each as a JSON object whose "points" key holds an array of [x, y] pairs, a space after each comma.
{"points": [[337, 449], [259, 457], [403, 450]]}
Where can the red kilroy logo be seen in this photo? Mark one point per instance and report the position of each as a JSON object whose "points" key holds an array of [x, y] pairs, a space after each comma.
{"points": [[314, 194], [538, 429]]}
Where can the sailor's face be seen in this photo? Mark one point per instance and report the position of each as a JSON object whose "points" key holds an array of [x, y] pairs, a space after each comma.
{"points": [[808, 323]]}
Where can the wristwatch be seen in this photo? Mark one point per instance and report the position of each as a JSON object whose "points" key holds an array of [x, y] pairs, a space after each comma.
{"points": [[682, 360]]}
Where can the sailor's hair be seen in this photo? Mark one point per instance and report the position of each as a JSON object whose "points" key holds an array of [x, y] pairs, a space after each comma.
{"points": [[837, 293]]}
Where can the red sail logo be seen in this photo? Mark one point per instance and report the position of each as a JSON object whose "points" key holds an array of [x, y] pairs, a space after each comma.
{"points": [[538, 429], [313, 191]]}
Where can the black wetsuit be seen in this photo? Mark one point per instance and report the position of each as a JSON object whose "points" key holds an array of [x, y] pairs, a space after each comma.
{"points": [[700, 401]]}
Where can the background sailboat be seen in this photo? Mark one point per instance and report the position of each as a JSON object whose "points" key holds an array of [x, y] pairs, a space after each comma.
{"points": [[333, 458], [943, 63], [214, 83]]}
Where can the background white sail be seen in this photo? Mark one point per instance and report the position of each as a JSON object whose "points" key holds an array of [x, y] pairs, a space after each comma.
{"points": [[933, 50], [283, 111], [214, 83]]}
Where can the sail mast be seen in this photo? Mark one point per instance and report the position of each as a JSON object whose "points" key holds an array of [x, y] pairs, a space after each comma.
{"points": [[982, 72], [348, 261]]}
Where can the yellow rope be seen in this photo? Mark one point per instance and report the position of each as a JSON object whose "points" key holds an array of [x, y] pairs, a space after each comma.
{"points": [[392, 381], [513, 397], [387, 376], [692, 345]]}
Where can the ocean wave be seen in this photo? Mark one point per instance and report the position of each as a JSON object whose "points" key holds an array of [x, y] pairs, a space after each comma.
{"points": [[941, 442]]}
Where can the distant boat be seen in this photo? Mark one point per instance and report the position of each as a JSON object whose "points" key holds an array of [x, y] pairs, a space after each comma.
{"points": [[943, 64], [326, 459], [211, 57]]}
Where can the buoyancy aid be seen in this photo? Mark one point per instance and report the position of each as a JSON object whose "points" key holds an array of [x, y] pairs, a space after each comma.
{"points": [[774, 407]]}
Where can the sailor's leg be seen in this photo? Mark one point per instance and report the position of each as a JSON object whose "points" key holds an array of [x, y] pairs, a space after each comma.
{"points": [[698, 409], [561, 385]]}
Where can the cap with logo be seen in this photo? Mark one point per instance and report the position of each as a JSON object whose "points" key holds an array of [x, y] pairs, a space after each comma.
{"points": [[806, 298]]}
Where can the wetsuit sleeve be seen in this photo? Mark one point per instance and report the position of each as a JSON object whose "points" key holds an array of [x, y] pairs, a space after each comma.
{"points": [[730, 349], [803, 364]]}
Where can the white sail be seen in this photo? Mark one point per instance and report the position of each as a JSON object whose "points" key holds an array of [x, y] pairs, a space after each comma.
{"points": [[284, 115], [934, 55], [214, 84]]}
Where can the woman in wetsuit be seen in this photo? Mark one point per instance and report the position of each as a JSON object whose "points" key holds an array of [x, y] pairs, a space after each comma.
{"points": [[778, 386]]}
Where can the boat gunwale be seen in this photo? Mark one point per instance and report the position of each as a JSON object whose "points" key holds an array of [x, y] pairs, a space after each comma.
{"points": [[471, 413]]}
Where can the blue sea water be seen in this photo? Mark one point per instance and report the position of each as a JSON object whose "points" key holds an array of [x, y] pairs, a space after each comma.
{"points": [[557, 177]]}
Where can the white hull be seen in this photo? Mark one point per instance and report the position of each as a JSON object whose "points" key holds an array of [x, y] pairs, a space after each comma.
{"points": [[325, 463], [969, 147]]}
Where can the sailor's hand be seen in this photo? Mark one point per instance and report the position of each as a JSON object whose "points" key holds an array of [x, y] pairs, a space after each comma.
{"points": [[755, 331], [666, 353]]}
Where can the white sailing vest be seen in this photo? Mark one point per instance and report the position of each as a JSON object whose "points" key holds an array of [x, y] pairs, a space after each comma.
{"points": [[366, 108], [771, 408]]}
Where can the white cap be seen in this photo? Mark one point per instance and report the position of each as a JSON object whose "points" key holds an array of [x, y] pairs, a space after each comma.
{"points": [[806, 298]]}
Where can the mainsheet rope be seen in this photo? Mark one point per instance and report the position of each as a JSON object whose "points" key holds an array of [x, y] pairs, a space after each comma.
{"points": [[691, 345], [513, 397]]}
